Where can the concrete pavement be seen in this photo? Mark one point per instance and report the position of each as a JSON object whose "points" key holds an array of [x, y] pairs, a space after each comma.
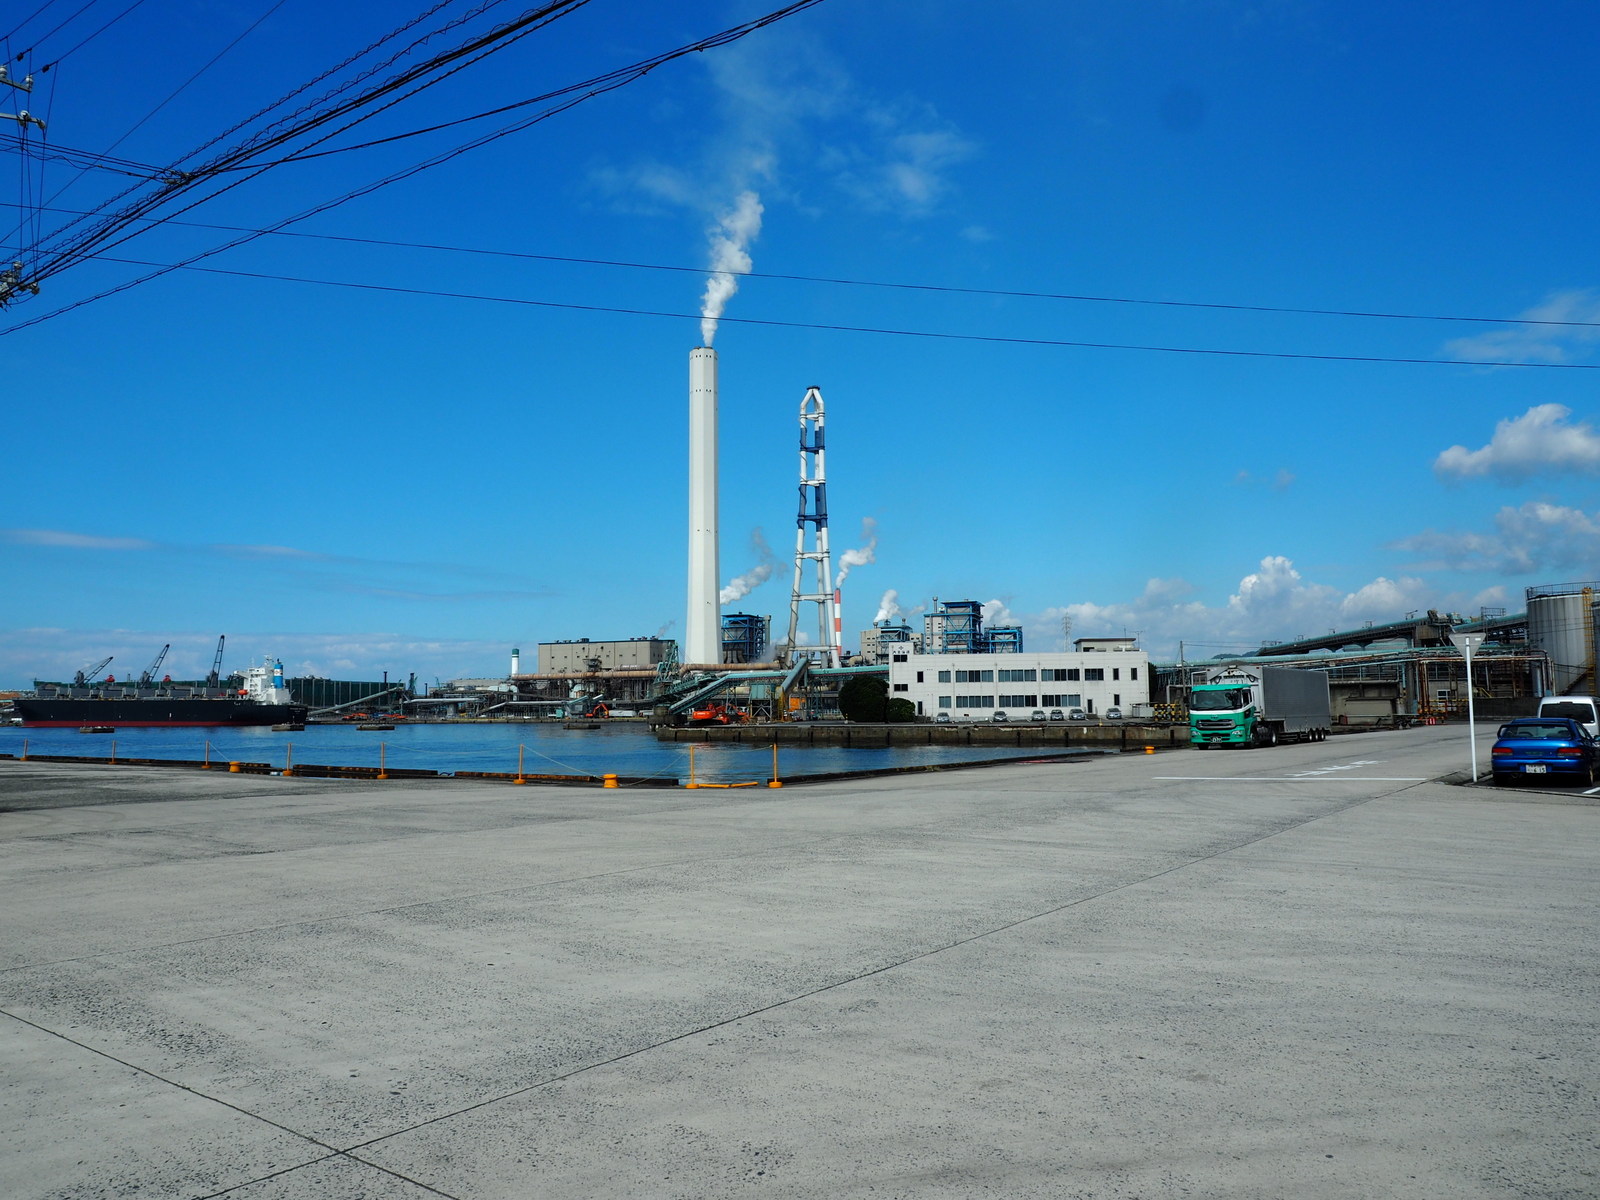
{"points": [[1300, 972]]}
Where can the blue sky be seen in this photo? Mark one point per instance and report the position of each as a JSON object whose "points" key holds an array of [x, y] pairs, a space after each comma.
{"points": [[362, 480]]}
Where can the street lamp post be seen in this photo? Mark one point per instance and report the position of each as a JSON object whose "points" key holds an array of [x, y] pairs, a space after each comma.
{"points": [[1467, 643]]}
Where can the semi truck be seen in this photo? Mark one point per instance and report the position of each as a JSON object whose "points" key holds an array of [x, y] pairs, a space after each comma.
{"points": [[1247, 705]]}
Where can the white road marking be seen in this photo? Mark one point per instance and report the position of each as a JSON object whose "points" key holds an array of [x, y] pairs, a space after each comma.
{"points": [[1297, 778], [1592, 792]]}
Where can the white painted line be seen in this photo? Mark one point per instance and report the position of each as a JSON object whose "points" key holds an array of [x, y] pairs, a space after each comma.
{"points": [[1297, 779], [1592, 792]]}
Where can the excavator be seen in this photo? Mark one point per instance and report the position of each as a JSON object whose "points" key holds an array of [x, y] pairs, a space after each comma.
{"points": [[716, 714]]}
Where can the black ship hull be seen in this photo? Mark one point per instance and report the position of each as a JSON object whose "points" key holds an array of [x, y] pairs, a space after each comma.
{"points": [[156, 711]]}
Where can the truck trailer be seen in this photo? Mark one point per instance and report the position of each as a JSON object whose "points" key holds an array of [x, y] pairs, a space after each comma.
{"points": [[1247, 705]]}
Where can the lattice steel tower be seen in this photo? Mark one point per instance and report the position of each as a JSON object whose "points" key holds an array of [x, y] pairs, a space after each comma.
{"points": [[813, 513]]}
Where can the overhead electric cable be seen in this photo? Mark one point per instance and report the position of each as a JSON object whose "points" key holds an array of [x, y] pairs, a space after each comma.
{"points": [[60, 57], [25, 20], [284, 99], [949, 289], [57, 29], [104, 236], [938, 335], [81, 250]]}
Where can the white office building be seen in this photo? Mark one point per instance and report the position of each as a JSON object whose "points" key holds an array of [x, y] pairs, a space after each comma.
{"points": [[973, 687]]}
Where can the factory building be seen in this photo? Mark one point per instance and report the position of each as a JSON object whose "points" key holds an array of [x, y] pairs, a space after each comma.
{"points": [[956, 627], [886, 638], [973, 687], [583, 656]]}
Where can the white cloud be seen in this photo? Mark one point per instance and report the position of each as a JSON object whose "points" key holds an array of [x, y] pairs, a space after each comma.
{"points": [[1272, 603], [73, 541], [1539, 442], [1533, 537], [1550, 343]]}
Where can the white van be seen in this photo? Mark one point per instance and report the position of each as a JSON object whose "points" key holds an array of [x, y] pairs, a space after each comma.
{"points": [[1581, 709]]}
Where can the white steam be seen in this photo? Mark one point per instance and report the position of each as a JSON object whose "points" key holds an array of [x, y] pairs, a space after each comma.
{"points": [[730, 258], [756, 575], [889, 607], [863, 555]]}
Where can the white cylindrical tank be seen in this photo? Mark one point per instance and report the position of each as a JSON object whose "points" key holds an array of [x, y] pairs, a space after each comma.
{"points": [[702, 633], [516, 661], [1561, 625]]}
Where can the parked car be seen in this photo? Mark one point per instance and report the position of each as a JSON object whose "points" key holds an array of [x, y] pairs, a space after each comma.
{"points": [[942, 719], [1113, 713], [1077, 714], [1551, 747], [1036, 715], [999, 714], [1057, 715]]}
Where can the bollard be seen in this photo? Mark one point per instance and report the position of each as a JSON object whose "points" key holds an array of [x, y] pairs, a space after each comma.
{"points": [[519, 778], [113, 752], [24, 749], [383, 771], [288, 762], [691, 783], [775, 781], [233, 767], [1149, 749], [608, 781], [206, 766]]}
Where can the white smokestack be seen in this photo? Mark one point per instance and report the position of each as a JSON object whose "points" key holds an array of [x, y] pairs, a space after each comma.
{"points": [[730, 239], [516, 661], [702, 630]]}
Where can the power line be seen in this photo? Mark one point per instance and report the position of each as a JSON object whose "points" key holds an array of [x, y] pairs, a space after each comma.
{"points": [[523, 24], [58, 58], [947, 289], [992, 339]]}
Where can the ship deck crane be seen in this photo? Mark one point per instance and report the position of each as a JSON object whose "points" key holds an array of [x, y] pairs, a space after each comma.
{"points": [[149, 672], [215, 678], [85, 677]]}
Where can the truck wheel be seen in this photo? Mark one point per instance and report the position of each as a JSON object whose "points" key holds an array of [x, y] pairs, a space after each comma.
{"points": [[1266, 737]]}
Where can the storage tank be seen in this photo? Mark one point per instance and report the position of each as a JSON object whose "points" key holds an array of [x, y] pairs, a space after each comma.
{"points": [[1562, 626]]}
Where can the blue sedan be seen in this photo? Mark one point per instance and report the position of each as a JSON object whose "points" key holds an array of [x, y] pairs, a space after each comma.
{"points": [[1544, 747]]}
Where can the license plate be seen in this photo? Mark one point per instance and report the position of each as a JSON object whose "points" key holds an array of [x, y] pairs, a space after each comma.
{"points": [[1536, 769]]}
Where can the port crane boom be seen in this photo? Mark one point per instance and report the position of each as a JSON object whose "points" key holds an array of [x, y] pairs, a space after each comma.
{"points": [[215, 678], [83, 678], [150, 671]]}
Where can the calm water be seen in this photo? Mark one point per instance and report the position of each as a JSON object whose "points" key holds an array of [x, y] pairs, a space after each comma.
{"points": [[622, 749]]}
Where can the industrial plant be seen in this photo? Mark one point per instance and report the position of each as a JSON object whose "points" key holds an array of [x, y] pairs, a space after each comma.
{"points": [[957, 668]]}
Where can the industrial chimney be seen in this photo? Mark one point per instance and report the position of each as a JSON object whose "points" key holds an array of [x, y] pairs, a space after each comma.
{"points": [[702, 631], [516, 661]]}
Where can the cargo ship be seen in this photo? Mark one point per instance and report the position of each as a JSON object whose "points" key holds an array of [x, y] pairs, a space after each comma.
{"points": [[255, 696]]}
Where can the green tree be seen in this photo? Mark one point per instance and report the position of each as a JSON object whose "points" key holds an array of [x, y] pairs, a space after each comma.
{"points": [[901, 709], [864, 698]]}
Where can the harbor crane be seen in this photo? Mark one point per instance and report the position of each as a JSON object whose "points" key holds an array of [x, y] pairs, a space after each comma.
{"points": [[215, 678], [149, 674], [85, 677]]}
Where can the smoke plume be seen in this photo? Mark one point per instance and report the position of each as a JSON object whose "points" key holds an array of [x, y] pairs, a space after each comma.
{"points": [[889, 607], [756, 575], [730, 257], [863, 555]]}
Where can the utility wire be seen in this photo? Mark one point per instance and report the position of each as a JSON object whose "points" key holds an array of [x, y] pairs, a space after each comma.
{"points": [[57, 29], [550, 13], [60, 57], [295, 91], [105, 235], [1006, 293], [831, 328], [25, 21]]}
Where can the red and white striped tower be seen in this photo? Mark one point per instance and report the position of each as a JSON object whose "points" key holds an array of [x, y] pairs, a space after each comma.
{"points": [[838, 625]]}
